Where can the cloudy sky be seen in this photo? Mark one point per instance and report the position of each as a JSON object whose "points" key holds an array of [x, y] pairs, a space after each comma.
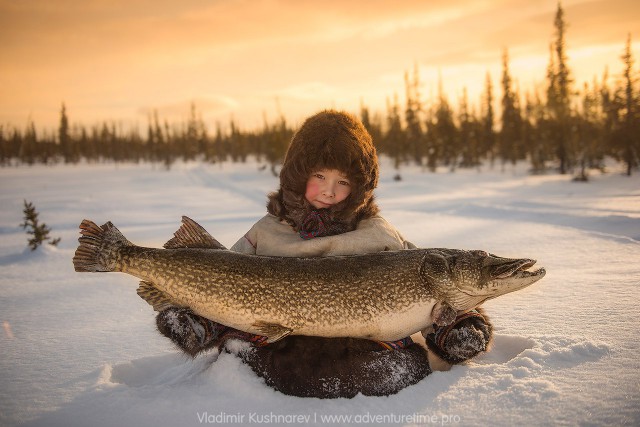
{"points": [[118, 60]]}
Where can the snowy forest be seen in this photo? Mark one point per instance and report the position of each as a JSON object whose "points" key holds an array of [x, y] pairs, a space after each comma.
{"points": [[570, 129]]}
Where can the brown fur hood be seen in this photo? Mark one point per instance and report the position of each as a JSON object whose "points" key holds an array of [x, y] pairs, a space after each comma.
{"points": [[328, 140]]}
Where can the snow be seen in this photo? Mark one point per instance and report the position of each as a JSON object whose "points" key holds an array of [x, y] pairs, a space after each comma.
{"points": [[81, 349]]}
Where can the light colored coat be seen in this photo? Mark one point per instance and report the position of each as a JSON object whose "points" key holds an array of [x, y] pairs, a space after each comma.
{"points": [[271, 236]]}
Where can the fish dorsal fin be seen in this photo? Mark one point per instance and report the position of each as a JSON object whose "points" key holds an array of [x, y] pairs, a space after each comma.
{"points": [[192, 235], [155, 297], [273, 331]]}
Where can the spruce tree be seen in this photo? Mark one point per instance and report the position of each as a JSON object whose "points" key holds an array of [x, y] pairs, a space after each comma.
{"points": [[510, 137], [63, 136], [372, 124], [629, 143], [431, 141], [559, 93], [39, 232], [4, 148], [413, 113], [488, 134], [445, 131], [394, 137], [28, 145], [585, 132], [467, 135]]}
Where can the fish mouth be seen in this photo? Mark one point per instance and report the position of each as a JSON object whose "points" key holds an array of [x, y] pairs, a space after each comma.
{"points": [[513, 267], [524, 273], [515, 275]]}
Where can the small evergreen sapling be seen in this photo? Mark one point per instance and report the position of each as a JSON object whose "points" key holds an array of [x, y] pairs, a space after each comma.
{"points": [[40, 232]]}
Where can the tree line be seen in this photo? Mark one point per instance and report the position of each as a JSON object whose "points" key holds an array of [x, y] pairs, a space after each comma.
{"points": [[571, 129]]}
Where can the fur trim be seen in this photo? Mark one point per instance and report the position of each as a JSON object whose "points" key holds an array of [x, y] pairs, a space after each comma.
{"points": [[328, 140], [330, 368]]}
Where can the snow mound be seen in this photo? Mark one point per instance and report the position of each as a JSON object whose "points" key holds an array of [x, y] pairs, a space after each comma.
{"points": [[168, 369]]}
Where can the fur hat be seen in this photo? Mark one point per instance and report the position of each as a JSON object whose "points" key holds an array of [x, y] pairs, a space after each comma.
{"points": [[328, 140]]}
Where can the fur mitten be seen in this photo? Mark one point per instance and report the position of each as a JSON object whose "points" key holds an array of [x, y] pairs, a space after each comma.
{"points": [[190, 332], [469, 335]]}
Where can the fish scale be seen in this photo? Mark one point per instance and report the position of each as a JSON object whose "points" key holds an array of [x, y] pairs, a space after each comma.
{"points": [[383, 296]]}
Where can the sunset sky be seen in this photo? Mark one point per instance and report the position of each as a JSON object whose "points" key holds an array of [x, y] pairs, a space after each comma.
{"points": [[118, 60]]}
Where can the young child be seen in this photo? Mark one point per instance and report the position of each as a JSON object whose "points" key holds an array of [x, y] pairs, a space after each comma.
{"points": [[325, 207]]}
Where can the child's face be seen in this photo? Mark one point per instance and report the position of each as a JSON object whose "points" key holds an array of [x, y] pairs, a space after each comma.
{"points": [[326, 188]]}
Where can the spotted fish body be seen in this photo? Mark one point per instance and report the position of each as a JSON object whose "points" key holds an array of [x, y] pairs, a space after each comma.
{"points": [[383, 296]]}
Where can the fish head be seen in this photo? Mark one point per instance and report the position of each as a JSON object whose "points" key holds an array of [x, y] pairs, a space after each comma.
{"points": [[466, 279]]}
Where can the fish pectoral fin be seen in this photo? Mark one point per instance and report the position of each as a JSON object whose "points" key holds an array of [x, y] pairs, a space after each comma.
{"points": [[192, 235], [155, 297], [443, 314], [467, 302], [273, 331]]}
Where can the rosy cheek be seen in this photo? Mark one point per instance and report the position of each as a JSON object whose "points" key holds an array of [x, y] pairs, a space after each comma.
{"points": [[312, 191]]}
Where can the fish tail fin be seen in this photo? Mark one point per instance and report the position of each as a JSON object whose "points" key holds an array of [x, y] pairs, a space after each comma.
{"points": [[98, 247]]}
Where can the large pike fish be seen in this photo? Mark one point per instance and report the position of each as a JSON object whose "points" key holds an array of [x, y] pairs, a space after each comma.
{"points": [[383, 296]]}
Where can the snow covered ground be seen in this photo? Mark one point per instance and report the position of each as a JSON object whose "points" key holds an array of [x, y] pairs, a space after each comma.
{"points": [[81, 349]]}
